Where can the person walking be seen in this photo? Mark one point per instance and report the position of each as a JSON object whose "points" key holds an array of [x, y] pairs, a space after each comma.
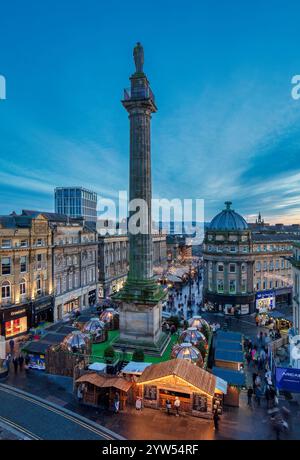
{"points": [[216, 419], [168, 406], [12, 346], [138, 404], [249, 396], [27, 361], [258, 395], [15, 363], [117, 402], [177, 405], [21, 362]]}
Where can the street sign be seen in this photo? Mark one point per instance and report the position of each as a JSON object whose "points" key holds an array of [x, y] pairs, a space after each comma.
{"points": [[288, 379]]}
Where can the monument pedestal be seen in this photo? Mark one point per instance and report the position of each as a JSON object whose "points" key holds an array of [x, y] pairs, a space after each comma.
{"points": [[140, 313]]}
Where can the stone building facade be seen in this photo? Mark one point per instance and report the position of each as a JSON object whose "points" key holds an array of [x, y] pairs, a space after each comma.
{"points": [[245, 271], [75, 266], [26, 273], [295, 261], [228, 264], [113, 261]]}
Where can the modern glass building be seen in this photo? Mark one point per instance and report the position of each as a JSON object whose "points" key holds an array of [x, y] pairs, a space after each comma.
{"points": [[76, 202]]}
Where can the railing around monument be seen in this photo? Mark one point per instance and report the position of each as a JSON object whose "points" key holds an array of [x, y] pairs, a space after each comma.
{"points": [[138, 93]]}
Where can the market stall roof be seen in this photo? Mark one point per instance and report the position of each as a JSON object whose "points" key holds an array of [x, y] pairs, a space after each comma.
{"points": [[174, 278], [223, 345], [36, 346], [230, 356], [231, 376], [53, 338], [103, 381], [83, 318], [136, 368], [229, 336], [183, 369], [279, 315], [98, 367], [60, 328]]}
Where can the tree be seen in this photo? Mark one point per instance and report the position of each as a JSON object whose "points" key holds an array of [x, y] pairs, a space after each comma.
{"points": [[205, 331], [109, 353], [202, 349], [138, 355]]}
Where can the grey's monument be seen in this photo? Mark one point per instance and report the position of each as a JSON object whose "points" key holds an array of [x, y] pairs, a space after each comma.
{"points": [[140, 300]]}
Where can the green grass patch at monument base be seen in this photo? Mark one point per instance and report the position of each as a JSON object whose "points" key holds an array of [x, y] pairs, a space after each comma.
{"points": [[98, 350]]}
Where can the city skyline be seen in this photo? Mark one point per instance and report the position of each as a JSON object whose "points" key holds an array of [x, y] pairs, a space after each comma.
{"points": [[218, 103]]}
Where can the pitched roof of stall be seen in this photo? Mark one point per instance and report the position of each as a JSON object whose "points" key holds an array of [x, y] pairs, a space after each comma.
{"points": [[183, 369]]}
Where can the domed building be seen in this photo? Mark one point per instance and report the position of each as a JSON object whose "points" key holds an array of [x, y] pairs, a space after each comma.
{"points": [[228, 264]]}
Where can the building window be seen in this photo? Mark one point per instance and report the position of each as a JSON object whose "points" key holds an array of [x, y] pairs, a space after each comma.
{"points": [[277, 264], [232, 248], [5, 290], [24, 243], [5, 266], [265, 265], [264, 284], [232, 286], [245, 249], [38, 286], [232, 268], [258, 266], [282, 263], [23, 264], [220, 267], [6, 244], [271, 265], [271, 284], [22, 287], [258, 286], [220, 285], [39, 261], [244, 286]]}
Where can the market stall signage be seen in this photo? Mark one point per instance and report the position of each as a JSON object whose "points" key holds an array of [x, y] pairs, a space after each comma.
{"points": [[288, 379]]}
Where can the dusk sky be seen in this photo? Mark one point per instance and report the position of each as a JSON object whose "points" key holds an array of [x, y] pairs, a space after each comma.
{"points": [[226, 127]]}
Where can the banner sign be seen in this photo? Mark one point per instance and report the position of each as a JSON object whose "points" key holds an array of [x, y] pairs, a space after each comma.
{"points": [[288, 379]]}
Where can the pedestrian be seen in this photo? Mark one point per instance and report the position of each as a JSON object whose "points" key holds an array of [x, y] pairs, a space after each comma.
{"points": [[117, 402], [257, 320], [258, 395], [216, 419], [138, 404], [21, 362], [249, 396], [12, 346], [168, 406], [27, 361], [177, 405], [15, 363], [79, 394]]}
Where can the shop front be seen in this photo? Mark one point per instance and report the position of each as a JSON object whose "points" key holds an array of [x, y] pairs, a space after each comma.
{"points": [[232, 305], [42, 311], [15, 321], [92, 297], [200, 393]]}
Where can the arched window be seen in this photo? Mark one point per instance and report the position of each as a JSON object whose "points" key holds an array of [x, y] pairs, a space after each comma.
{"points": [[5, 290], [22, 287]]}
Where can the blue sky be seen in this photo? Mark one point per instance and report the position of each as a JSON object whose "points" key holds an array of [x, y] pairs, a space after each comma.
{"points": [[226, 128]]}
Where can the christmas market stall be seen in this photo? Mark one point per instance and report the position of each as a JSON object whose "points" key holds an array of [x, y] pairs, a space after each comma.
{"points": [[101, 390], [200, 392], [236, 380]]}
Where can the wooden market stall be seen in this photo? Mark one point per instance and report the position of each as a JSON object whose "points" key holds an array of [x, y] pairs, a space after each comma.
{"points": [[100, 389], [200, 393], [236, 380]]}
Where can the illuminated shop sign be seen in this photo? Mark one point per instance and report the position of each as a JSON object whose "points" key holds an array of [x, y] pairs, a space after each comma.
{"points": [[265, 301], [288, 379]]}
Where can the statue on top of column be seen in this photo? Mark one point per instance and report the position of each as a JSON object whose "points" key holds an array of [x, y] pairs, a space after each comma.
{"points": [[138, 54]]}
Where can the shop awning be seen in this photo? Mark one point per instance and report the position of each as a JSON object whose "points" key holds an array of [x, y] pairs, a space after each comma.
{"points": [[38, 347], [98, 367]]}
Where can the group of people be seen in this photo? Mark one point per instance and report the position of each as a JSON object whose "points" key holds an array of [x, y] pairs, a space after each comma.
{"points": [[176, 406], [18, 362]]}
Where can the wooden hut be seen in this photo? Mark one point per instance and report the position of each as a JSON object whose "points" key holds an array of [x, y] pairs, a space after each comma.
{"points": [[100, 389], [200, 392]]}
